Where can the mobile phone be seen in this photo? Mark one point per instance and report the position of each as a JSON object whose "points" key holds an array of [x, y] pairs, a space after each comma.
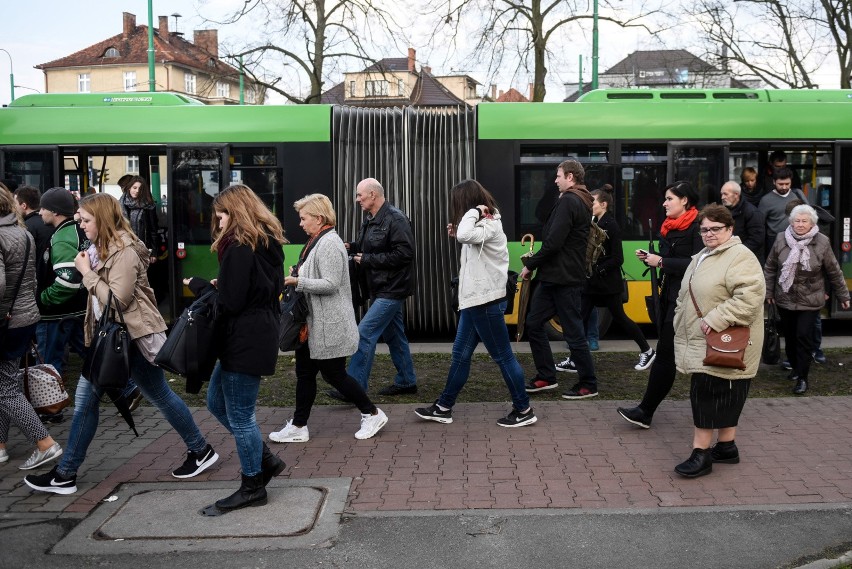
{"points": [[643, 251]]}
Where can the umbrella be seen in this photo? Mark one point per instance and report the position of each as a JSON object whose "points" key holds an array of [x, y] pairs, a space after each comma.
{"points": [[123, 405], [655, 284], [524, 299]]}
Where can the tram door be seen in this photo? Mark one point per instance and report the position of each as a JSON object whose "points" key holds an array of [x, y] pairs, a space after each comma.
{"points": [[839, 202], [33, 166], [195, 176], [702, 165]]}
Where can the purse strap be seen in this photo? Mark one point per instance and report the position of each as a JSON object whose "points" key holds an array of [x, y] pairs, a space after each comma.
{"points": [[694, 303], [20, 276], [111, 306]]}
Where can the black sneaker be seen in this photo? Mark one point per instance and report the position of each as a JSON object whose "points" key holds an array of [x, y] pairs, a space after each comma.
{"points": [[394, 390], [567, 365], [580, 392], [645, 360], [518, 419], [819, 356], [636, 416], [196, 463], [52, 482], [136, 399], [433, 413], [536, 384]]}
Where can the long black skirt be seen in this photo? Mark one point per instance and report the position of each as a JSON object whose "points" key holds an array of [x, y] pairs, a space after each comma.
{"points": [[717, 403]]}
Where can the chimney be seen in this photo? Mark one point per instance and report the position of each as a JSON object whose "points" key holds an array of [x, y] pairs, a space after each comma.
{"points": [[164, 28], [412, 57], [426, 68], [532, 91], [207, 40], [501, 94], [129, 24], [493, 91]]}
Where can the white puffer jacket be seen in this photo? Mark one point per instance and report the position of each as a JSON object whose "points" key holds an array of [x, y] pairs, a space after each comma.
{"points": [[484, 259]]}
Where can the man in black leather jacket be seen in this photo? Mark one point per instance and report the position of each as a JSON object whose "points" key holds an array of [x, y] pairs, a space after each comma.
{"points": [[749, 223], [561, 265], [384, 252]]}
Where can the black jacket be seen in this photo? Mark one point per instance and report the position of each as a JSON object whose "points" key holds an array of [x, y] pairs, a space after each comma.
{"points": [[42, 233], [562, 257], [676, 249], [386, 244], [249, 284], [750, 227], [144, 225], [606, 278]]}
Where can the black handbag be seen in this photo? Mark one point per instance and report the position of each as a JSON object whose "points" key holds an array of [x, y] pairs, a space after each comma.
{"points": [[625, 290], [771, 338], [294, 318], [189, 349], [107, 362]]}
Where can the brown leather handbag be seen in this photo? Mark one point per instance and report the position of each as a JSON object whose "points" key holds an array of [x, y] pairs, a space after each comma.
{"points": [[727, 347]]}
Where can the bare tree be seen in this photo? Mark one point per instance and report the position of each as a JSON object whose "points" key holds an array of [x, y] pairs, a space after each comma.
{"points": [[781, 42], [525, 33], [300, 43]]}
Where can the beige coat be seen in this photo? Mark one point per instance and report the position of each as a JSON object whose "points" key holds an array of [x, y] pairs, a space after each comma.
{"points": [[729, 288], [125, 272]]}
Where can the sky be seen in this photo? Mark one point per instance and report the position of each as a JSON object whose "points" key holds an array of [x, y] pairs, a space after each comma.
{"points": [[38, 31]]}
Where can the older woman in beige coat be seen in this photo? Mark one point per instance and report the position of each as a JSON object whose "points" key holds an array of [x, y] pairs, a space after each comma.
{"points": [[726, 280]]}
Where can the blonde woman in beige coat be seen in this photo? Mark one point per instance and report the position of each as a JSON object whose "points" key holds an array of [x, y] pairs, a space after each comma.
{"points": [[727, 282]]}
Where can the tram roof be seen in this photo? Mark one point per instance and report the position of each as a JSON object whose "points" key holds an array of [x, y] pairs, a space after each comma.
{"points": [[670, 114]]}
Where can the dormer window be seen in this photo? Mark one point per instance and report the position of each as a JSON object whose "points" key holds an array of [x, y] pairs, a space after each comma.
{"points": [[112, 52]]}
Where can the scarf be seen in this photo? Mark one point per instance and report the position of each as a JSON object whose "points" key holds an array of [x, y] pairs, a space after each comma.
{"points": [[799, 253], [224, 242], [679, 223], [135, 214], [582, 193]]}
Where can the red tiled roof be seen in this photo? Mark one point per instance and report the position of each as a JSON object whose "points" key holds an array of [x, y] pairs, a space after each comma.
{"points": [[512, 96], [133, 49]]}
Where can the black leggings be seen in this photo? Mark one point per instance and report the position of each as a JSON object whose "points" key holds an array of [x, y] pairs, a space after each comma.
{"points": [[612, 302], [334, 372], [663, 370]]}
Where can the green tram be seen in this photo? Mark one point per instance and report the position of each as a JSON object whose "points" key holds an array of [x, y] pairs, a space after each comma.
{"points": [[635, 140]]}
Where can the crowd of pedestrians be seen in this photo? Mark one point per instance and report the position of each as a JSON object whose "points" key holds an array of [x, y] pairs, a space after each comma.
{"points": [[63, 262]]}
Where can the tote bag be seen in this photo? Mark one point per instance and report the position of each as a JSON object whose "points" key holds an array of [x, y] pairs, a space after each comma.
{"points": [[107, 362]]}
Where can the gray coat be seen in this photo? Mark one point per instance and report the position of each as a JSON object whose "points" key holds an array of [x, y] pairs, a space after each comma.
{"points": [[324, 278], [13, 239]]}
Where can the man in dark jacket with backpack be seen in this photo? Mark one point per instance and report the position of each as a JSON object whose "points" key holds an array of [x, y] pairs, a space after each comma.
{"points": [[561, 265]]}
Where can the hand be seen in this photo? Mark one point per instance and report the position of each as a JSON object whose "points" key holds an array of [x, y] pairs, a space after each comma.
{"points": [[186, 281], [291, 281], [525, 274], [82, 264], [483, 209], [705, 329], [770, 300], [652, 260], [357, 258], [451, 230], [153, 259], [844, 305], [346, 244]]}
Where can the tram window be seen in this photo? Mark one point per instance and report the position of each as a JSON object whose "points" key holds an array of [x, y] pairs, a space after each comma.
{"points": [[196, 179], [266, 183], [253, 157], [738, 160], [33, 168], [634, 153], [701, 167], [556, 153]]}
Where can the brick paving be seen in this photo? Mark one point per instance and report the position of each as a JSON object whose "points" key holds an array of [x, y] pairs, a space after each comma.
{"points": [[579, 455]]}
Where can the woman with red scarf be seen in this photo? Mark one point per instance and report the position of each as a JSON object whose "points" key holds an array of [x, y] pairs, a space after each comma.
{"points": [[679, 241]]}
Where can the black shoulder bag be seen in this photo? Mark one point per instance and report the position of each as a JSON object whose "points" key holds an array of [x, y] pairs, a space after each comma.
{"points": [[107, 362]]}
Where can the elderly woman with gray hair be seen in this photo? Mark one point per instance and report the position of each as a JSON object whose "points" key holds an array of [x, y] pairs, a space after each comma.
{"points": [[795, 271]]}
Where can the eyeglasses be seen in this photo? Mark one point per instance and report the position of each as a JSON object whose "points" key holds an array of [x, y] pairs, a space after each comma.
{"points": [[712, 230]]}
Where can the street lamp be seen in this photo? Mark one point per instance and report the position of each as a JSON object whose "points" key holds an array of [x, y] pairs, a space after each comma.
{"points": [[595, 46], [11, 73]]}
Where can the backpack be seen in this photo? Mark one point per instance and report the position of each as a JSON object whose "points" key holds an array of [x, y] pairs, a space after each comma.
{"points": [[594, 247]]}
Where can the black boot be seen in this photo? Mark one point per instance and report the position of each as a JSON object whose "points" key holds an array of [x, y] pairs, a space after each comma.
{"points": [[801, 386], [270, 465], [251, 493], [725, 452], [699, 463]]}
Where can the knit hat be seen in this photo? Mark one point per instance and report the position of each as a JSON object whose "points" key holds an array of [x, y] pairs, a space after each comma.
{"points": [[59, 201]]}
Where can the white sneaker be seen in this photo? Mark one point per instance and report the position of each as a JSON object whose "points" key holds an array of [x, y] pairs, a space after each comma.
{"points": [[40, 457], [371, 424], [290, 433], [4, 456]]}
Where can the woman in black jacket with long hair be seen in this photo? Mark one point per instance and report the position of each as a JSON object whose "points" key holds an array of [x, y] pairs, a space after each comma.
{"points": [[679, 241], [603, 287]]}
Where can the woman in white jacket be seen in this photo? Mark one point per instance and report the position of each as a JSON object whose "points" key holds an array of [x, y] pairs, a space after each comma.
{"points": [[482, 301]]}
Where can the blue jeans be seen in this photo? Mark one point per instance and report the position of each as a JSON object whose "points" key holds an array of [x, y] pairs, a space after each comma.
{"points": [[551, 300], [383, 319], [591, 326], [152, 382], [53, 335], [484, 323], [232, 397]]}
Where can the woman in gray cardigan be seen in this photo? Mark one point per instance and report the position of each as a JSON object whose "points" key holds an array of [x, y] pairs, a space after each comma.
{"points": [[323, 275], [14, 407]]}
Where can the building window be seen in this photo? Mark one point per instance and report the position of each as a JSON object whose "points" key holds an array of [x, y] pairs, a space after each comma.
{"points": [[352, 88], [129, 80], [223, 89], [84, 83], [189, 83], [112, 52], [132, 165], [400, 86], [251, 96], [377, 88]]}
